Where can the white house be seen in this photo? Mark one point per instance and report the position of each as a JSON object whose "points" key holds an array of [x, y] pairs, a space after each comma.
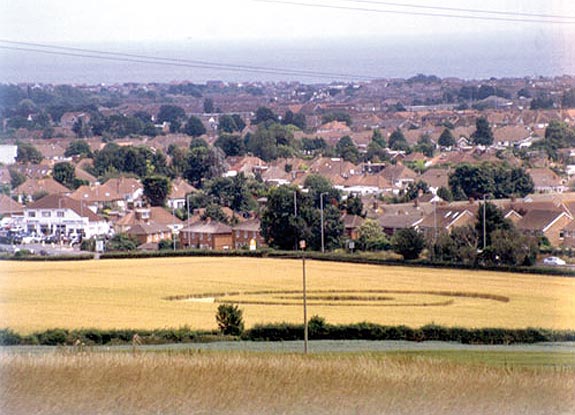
{"points": [[58, 214]]}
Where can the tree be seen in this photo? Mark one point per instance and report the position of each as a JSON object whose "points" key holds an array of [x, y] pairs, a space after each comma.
{"points": [[510, 247], [27, 153], [425, 145], [227, 124], [232, 145], [372, 237], [414, 189], [156, 189], [78, 148], [494, 220], [194, 127], [459, 246], [204, 163], [354, 205], [281, 227], [65, 174], [482, 134], [264, 114], [214, 212], [397, 141], [16, 178], [173, 114], [337, 116], [568, 99], [122, 242], [446, 139], [347, 150], [408, 243], [230, 319], [208, 105]]}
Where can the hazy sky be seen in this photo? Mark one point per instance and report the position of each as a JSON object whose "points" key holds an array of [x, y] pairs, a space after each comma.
{"points": [[170, 20]]}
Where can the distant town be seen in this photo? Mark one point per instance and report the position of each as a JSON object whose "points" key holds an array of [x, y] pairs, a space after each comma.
{"points": [[471, 171]]}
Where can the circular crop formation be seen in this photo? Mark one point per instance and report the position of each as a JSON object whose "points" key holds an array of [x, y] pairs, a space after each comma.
{"points": [[340, 298]]}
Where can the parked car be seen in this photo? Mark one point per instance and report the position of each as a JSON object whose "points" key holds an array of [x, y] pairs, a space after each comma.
{"points": [[553, 260]]}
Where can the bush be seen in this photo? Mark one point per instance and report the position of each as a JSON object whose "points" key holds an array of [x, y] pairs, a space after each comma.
{"points": [[408, 243], [9, 338], [230, 319]]}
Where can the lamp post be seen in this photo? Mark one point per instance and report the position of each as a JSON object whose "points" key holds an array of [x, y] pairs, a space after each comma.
{"points": [[305, 323], [174, 226], [321, 217], [484, 224], [188, 218]]}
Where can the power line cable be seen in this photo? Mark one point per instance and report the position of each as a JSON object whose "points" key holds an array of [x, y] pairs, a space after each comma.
{"points": [[126, 57], [414, 13], [465, 10]]}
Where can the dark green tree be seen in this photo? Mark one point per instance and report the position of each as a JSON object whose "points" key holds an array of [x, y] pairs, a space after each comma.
{"points": [[227, 124], [347, 150], [156, 189], [354, 205], [230, 319], [408, 242], [425, 145], [264, 114], [27, 153], [173, 114], [337, 116], [121, 242], [208, 106], [372, 237], [397, 141], [232, 145], [446, 139], [194, 127], [494, 220], [78, 148], [204, 163], [65, 174], [482, 134]]}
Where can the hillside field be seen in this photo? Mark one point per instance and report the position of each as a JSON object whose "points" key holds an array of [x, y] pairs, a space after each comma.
{"points": [[173, 292]]}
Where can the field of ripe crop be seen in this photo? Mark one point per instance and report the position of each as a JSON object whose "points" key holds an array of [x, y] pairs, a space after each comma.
{"points": [[252, 383], [172, 292]]}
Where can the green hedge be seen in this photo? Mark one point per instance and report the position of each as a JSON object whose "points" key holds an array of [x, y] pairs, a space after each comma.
{"points": [[89, 337], [370, 331], [287, 332], [65, 257]]}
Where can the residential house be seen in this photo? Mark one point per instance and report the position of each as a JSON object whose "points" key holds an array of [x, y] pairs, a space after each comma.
{"points": [[33, 188], [58, 214], [208, 234], [351, 225], [399, 176], [546, 180], [178, 194], [248, 165], [149, 233], [512, 136], [568, 235], [244, 233], [435, 178], [155, 215], [445, 218], [545, 223], [11, 212]]}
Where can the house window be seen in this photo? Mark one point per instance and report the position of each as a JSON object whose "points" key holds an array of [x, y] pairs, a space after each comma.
{"points": [[562, 235], [31, 214], [46, 214], [60, 214]]}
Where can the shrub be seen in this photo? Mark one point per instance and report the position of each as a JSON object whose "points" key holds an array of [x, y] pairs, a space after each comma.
{"points": [[52, 337], [230, 319], [9, 337]]}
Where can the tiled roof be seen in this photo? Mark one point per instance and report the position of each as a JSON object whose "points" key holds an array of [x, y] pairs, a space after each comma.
{"points": [[49, 185], [208, 227], [9, 206], [54, 201]]}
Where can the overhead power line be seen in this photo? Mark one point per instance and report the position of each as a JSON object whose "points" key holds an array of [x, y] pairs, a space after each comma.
{"points": [[465, 10], [416, 13], [154, 60]]}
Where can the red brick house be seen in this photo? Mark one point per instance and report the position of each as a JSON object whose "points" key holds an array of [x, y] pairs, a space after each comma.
{"points": [[210, 235]]}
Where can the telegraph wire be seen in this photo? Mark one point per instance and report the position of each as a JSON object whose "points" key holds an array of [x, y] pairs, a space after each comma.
{"points": [[134, 58], [464, 10], [414, 13]]}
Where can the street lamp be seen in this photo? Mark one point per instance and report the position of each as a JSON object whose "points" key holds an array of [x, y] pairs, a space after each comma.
{"points": [[305, 323], [484, 224], [321, 217], [188, 218]]}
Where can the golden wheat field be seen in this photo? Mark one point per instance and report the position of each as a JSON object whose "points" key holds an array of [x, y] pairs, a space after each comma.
{"points": [[173, 292], [239, 383]]}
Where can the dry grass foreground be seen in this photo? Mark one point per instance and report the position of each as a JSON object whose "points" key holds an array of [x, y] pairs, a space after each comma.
{"points": [[216, 383], [134, 294]]}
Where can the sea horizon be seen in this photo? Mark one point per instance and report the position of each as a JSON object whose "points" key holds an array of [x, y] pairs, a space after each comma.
{"points": [[305, 60]]}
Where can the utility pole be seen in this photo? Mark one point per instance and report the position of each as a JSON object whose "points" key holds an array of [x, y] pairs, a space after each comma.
{"points": [[295, 213], [484, 225], [188, 217], [305, 322], [322, 224]]}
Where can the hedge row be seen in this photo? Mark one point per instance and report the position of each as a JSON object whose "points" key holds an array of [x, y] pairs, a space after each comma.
{"points": [[370, 331], [92, 337], [286, 332], [44, 258]]}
